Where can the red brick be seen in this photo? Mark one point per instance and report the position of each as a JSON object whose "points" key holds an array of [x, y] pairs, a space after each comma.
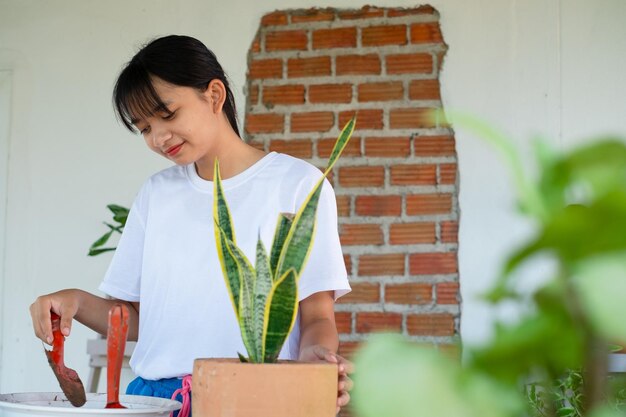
{"points": [[433, 263], [387, 264], [330, 93], [265, 123], [449, 232], [266, 68], [414, 174], [253, 94], [365, 176], [325, 147], [426, 33], [434, 146], [286, 40], [411, 118], [398, 12], [411, 233], [343, 205], [366, 12], [384, 35], [358, 64], [430, 324], [440, 58], [424, 90], [312, 15], [334, 38], [300, 148], [378, 205], [361, 234], [308, 67], [274, 19], [375, 322], [283, 94], [348, 349], [256, 45], [447, 173], [362, 293], [319, 121], [343, 321], [387, 147], [365, 119], [381, 91], [347, 259], [410, 293], [420, 63], [448, 293], [428, 204]]}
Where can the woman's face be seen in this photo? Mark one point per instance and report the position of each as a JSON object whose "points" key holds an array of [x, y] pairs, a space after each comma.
{"points": [[189, 132]]}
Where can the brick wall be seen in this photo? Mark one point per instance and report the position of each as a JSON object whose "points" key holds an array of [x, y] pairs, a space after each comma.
{"points": [[396, 184]]}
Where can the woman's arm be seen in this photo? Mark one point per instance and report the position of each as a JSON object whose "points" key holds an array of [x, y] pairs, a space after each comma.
{"points": [[319, 340], [88, 309]]}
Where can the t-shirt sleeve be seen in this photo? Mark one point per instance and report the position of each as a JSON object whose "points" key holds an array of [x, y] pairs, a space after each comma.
{"points": [[325, 269], [123, 277]]}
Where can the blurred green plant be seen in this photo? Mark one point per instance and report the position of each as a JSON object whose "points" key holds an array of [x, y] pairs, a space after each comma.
{"points": [[565, 395], [578, 204], [120, 214]]}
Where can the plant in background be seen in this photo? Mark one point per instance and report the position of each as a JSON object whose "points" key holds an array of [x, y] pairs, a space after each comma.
{"points": [[578, 204], [120, 214], [565, 395], [265, 297]]}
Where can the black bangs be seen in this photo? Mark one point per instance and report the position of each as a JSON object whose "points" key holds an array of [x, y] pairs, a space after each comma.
{"points": [[178, 60], [134, 96]]}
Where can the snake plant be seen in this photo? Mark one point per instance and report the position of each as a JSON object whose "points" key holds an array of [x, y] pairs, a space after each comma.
{"points": [[265, 296]]}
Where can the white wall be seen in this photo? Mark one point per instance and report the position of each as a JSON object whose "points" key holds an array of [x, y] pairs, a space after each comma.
{"points": [[5, 116], [550, 67]]}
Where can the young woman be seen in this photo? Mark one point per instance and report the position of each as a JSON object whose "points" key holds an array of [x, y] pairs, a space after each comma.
{"points": [[166, 269]]}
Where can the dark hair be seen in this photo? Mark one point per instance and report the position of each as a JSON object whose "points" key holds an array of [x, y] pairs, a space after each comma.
{"points": [[178, 60]]}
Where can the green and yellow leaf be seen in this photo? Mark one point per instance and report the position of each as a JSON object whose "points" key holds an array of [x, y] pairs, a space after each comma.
{"points": [[246, 291], [280, 314], [262, 288], [223, 222], [285, 221], [298, 242], [340, 144]]}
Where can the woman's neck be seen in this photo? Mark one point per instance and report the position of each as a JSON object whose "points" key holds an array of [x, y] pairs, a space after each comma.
{"points": [[234, 158]]}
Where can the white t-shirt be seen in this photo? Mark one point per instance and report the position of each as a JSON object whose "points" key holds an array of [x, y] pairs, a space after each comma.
{"points": [[167, 259]]}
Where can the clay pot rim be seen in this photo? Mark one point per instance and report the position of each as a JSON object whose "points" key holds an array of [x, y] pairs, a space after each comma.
{"points": [[290, 362]]}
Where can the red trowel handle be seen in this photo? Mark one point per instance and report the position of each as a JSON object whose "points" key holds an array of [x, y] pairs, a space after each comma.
{"points": [[58, 339], [116, 342]]}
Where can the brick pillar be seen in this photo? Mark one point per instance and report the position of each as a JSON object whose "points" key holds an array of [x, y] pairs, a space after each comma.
{"points": [[396, 184]]}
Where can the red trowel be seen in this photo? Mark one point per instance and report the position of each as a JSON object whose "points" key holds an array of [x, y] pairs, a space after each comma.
{"points": [[71, 385], [116, 342]]}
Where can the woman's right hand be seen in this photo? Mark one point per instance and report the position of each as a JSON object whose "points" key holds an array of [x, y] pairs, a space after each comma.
{"points": [[65, 303]]}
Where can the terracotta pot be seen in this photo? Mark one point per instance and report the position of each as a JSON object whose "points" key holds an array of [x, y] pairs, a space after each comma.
{"points": [[227, 387]]}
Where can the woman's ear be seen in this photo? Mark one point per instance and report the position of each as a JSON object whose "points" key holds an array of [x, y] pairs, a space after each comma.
{"points": [[216, 95]]}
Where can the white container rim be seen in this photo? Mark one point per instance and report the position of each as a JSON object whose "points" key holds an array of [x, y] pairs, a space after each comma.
{"points": [[137, 405]]}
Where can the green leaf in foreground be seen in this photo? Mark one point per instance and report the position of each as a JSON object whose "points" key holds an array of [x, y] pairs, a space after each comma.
{"points": [[280, 313]]}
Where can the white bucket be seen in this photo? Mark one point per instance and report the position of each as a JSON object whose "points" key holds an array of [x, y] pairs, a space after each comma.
{"points": [[54, 404]]}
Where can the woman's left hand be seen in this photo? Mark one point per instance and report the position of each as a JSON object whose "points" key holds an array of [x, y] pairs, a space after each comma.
{"points": [[319, 353]]}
